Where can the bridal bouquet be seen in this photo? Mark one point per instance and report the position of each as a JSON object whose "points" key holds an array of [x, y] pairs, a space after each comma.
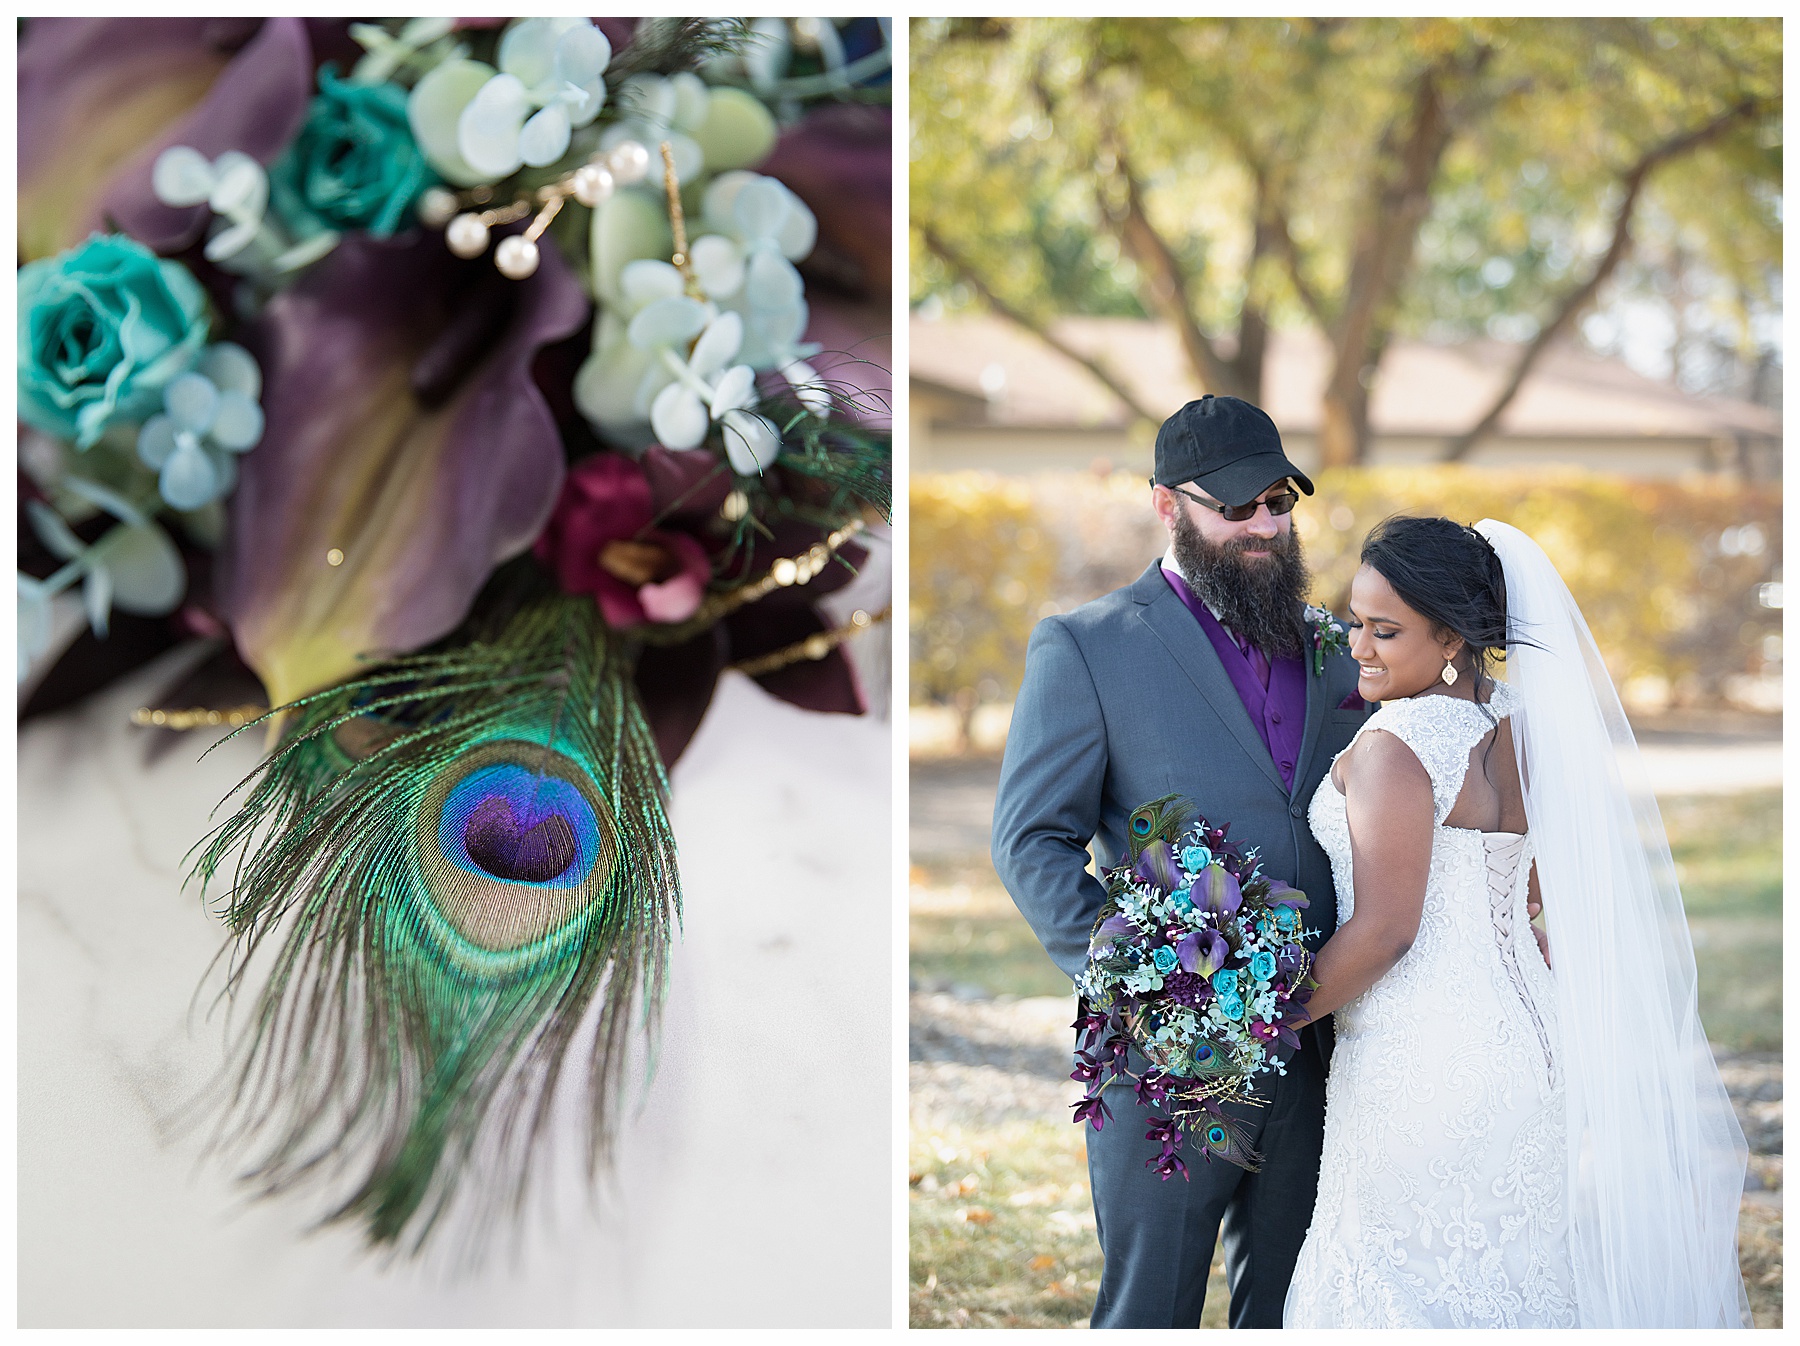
{"points": [[1196, 960], [483, 390]]}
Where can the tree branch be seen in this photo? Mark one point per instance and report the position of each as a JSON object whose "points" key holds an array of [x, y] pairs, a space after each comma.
{"points": [[1281, 239], [966, 273], [1169, 289], [1633, 180]]}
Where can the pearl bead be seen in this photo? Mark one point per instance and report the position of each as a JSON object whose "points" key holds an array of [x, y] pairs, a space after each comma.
{"points": [[593, 184], [467, 236], [436, 207], [517, 257], [629, 162]]}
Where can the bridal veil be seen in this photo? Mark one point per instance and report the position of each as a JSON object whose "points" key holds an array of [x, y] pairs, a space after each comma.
{"points": [[1656, 1158]]}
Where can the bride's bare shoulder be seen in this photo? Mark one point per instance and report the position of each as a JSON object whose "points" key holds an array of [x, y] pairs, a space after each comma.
{"points": [[1380, 761]]}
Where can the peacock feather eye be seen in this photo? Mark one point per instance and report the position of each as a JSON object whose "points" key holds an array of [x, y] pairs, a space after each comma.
{"points": [[515, 842], [1215, 1135], [1141, 825]]}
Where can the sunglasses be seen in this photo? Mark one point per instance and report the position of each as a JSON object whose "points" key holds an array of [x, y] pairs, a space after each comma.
{"points": [[1282, 502]]}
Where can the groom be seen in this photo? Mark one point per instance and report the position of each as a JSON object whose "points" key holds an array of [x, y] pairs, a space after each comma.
{"points": [[1196, 678]]}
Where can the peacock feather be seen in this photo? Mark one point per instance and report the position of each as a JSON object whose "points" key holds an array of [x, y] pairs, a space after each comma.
{"points": [[459, 876], [1161, 820], [1220, 1135]]}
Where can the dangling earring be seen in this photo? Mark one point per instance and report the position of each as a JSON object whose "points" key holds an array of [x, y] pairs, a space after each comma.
{"points": [[1449, 674]]}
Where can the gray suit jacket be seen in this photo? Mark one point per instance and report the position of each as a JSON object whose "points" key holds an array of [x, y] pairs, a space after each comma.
{"points": [[1124, 700]]}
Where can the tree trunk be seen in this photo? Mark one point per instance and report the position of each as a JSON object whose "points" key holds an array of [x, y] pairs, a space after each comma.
{"points": [[964, 703], [1378, 267]]}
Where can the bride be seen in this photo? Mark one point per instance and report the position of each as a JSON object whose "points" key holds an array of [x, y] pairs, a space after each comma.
{"points": [[1511, 1139]]}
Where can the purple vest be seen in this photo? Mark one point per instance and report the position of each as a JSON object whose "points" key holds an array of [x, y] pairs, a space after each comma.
{"points": [[1279, 711]]}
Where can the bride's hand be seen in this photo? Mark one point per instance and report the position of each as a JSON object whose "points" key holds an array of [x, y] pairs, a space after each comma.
{"points": [[1543, 943]]}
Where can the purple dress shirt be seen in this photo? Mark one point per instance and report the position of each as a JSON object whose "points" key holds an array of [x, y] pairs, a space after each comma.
{"points": [[1279, 710]]}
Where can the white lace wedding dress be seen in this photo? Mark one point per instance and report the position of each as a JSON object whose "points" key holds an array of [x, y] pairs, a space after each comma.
{"points": [[1441, 1199]]}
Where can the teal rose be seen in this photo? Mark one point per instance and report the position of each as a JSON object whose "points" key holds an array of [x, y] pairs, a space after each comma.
{"points": [[354, 165], [1262, 965], [1225, 981], [102, 328], [1165, 960]]}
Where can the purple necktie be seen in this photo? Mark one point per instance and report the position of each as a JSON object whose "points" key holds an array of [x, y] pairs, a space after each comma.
{"points": [[1259, 662]]}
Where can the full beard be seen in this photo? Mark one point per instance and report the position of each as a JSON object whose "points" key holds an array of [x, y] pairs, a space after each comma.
{"points": [[1259, 599]]}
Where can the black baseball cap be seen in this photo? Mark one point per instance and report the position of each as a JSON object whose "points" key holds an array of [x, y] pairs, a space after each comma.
{"points": [[1226, 447]]}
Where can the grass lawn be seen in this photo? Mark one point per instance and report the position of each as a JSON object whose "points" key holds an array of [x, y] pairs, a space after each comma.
{"points": [[1002, 1222], [1727, 853]]}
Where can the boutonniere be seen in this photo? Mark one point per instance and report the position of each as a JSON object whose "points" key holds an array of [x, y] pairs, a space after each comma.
{"points": [[1327, 637]]}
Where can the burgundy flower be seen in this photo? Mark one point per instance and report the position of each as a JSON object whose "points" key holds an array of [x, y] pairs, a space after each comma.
{"points": [[1186, 988], [1167, 1165], [1093, 1110], [599, 541], [1164, 1132], [1086, 1071], [1152, 1089]]}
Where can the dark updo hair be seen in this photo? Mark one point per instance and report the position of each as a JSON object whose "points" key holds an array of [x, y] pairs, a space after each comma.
{"points": [[1448, 574]]}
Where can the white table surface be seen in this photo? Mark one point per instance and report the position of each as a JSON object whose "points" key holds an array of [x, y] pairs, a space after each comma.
{"points": [[744, 1194]]}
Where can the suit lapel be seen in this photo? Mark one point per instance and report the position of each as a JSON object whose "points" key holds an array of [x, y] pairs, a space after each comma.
{"points": [[1181, 635], [1315, 721]]}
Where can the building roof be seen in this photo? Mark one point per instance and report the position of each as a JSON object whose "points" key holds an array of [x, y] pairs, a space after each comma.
{"points": [[1423, 389]]}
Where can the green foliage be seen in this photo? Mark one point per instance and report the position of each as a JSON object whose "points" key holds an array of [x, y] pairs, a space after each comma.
{"points": [[981, 565], [1235, 125]]}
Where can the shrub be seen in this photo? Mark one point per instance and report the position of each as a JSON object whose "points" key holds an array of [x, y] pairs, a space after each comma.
{"points": [[981, 570]]}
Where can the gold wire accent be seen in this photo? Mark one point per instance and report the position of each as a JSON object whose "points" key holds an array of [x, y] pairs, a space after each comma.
{"points": [[200, 717], [518, 210], [544, 216], [815, 646], [783, 573], [678, 226]]}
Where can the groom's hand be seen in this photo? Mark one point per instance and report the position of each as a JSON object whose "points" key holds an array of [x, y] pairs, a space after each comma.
{"points": [[1533, 909]]}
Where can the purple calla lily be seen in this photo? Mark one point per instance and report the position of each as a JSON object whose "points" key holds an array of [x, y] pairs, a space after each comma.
{"points": [[418, 475], [1113, 927], [1203, 954], [1281, 895], [99, 99], [1156, 865], [1217, 891]]}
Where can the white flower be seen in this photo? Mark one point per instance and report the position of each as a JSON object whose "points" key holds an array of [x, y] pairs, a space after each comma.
{"points": [[209, 416], [659, 108], [235, 188], [760, 230], [134, 567], [706, 389], [551, 65]]}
